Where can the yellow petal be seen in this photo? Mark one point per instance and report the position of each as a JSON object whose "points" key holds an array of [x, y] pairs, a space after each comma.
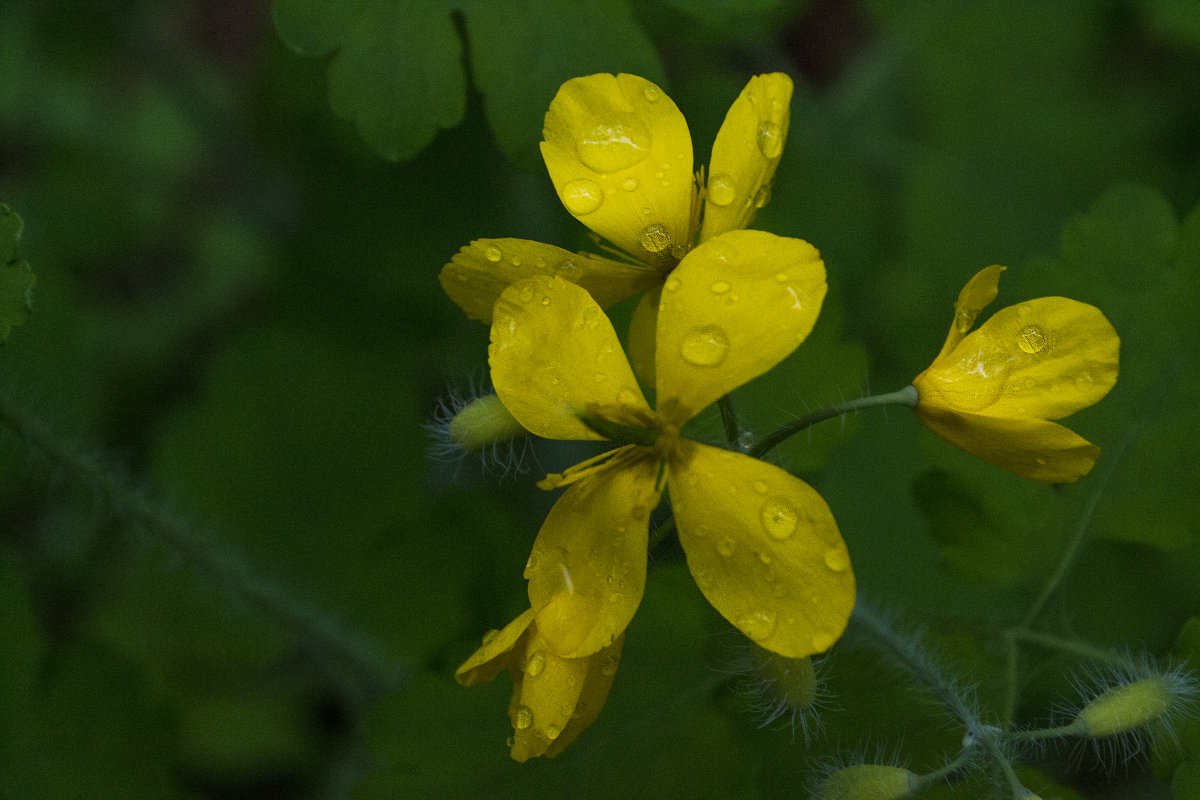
{"points": [[980, 291], [734, 308], [1032, 448], [1045, 359], [620, 157], [643, 328], [746, 153], [587, 570], [563, 696], [479, 272], [553, 354], [764, 549], [497, 652]]}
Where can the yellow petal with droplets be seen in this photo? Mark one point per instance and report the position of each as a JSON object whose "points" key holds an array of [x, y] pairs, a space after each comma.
{"points": [[479, 272], [566, 698], [745, 154], [620, 156], [1032, 448], [498, 652], [764, 549], [734, 308], [643, 328], [1045, 358], [553, 354], [587, 570], [980, 291]]}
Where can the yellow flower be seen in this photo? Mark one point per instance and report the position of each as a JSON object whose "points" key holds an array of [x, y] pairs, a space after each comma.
{"points": [[554, 698], [994, 391], [620, 156], [762, 545]]}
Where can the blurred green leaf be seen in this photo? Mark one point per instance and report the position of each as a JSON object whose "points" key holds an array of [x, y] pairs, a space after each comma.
{"points": [[16, 278], [396, 68]]}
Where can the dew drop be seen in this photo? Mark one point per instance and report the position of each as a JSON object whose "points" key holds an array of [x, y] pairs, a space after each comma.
{"points": [[758, 625], [782, 277], [705, 346], [629, 184], [720, 287], [837, 559], [678, 251], [721, 190], [599, 377], [490, 636], [546, 300], [582, 196], [516, 261], [627, 397], [727, 546], [655, 238], [567, 269], [760, 487], [493, 253], [615, 145], [672, 284], [1032, 339], [770, 140], [552, 732], [651, 93], [963, 320], [526, 295], [535, 664], [762, 196], [522, 717], [779, 518], [609, 665]]}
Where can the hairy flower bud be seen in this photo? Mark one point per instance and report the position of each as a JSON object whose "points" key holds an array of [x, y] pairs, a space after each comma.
{"points": [[868, 782]]}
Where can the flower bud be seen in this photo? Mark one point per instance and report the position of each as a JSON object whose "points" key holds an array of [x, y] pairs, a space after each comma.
{"points": [[1127, 707], [483, 422], [868, 782]]}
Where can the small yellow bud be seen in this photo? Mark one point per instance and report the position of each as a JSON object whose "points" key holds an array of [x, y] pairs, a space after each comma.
{"points": [[1127, 707], [868, 782], [483, 422]]}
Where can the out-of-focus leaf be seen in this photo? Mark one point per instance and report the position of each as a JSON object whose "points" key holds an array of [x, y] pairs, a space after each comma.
{"points": [[16, 278], [396, 68]]}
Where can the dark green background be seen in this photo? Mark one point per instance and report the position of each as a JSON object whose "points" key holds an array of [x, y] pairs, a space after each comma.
{"points": [[237, 308]]}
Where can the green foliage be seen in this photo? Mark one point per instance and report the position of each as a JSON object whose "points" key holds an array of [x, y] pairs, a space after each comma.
{"points": [[228, 566], [16, 277], [396, 70]]}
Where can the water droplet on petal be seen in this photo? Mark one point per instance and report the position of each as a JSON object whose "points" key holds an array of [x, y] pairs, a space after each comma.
{"points": [[672, 284], [626, 397], [615, 145], [493, 254], [758, 625], [837, 559], [770, 140], [762, 196], [779, 518], [651, 93], [705, 346], [963, 320], [629, 184], [535, 664], [720, 287], [727, 546], [721, 190], [822, 642], [552, 732], [582, 196], [655, 238], [599, 377], [522, 717], [1032, 339], [516, 261], [567, 269], [526, 294], [609, 665], [782, 277], [490, 636], [760, 487], [678, 251]]}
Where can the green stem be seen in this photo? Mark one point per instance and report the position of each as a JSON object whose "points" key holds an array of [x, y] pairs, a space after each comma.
{"points": [[1079, 535], [661, 532], [923, 782], [1076, 728], [1074, 647], [733, 428], [905, 397], [335, 648]]}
